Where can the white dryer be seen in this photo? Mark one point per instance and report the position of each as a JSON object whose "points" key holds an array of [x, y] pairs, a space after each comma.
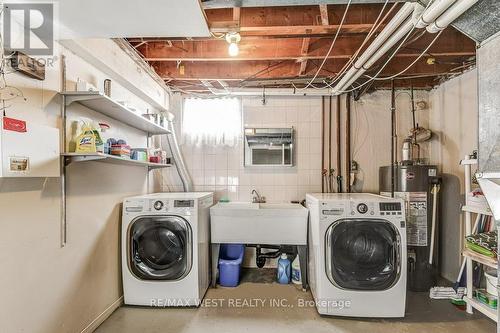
{"points": [[165, 249], [357, 249]]}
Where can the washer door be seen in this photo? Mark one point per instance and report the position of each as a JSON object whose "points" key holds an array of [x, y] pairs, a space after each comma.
{"points": [[160, 247], [363, 254]]}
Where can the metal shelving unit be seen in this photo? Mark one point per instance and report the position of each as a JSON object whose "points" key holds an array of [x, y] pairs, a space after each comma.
{"points": [[470, 256]]}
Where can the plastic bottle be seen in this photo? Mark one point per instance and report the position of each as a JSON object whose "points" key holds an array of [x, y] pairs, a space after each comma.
{"points": [[284, 269], [85, 142], [296, 274]]}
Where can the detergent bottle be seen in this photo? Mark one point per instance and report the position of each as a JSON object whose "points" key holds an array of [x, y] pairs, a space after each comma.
{"points": [[86, 141], [284, 269], [296, 273]]}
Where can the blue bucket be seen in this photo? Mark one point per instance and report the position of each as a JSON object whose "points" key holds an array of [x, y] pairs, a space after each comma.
{"points": [[230, 259]]}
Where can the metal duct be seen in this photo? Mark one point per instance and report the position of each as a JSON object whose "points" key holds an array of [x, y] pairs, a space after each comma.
{"points": [[178, 160], [489, 123], [481, 21]]}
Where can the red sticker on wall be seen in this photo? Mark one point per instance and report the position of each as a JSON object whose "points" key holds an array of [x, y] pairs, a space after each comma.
{"points": [[16, 125]]}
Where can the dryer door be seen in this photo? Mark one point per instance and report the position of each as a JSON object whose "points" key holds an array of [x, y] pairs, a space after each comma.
{"points": [[160, 248], [363, 254]]}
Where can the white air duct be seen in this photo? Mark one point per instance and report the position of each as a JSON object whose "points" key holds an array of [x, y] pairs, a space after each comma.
{"points": [[450, 15]]}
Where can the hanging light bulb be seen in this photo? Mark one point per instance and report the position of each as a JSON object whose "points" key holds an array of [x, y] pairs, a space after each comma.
{"points": [[233, 49], [233, 38]]}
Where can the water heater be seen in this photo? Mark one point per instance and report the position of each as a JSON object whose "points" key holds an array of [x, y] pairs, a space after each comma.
{"points": [[414, 184]]}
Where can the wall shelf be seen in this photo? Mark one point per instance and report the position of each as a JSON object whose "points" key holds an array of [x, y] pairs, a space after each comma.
{"points": [[475, 210], [483, 308], [100, 157], [482, 259], [468, 162], [106, 106]]}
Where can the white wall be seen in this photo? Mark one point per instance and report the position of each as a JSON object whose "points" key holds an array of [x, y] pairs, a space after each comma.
{"points": [[46, 288], [454, 120]]}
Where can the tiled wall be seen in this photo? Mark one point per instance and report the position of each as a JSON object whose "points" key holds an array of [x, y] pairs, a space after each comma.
{"points": [[221, 169]]}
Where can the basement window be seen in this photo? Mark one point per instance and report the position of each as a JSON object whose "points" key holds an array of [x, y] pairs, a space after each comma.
{"points": [[214, 121]]}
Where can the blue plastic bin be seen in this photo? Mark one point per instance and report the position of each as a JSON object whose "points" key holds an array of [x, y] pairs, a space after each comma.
{"points": [[230, 259]]}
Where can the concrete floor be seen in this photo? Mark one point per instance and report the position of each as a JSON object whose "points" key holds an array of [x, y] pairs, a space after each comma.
{"points": [[223, 315]]}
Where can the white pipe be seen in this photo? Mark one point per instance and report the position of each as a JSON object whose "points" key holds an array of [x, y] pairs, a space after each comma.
{"points": [[433, 12], [396, 37], [404, 29], [389, 29], [271, 92], [187, 181], [450, 15], [433, 227]]}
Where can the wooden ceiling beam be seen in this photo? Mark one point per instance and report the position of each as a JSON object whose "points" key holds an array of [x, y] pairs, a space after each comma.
{"points": [[290, 31], [453, 45], [272, 69], [323, 9], [303, 52], [215, 4], [294, 21]]}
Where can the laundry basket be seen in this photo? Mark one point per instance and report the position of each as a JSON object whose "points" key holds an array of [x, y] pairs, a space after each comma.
{"points": [[230, 259]]}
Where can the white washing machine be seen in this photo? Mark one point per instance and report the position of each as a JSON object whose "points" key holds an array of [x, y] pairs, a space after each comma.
{"points": [[357, 249], [165, 249]]}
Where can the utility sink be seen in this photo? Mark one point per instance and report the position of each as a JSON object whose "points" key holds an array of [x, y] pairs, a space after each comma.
{"points": [[259, 223]]}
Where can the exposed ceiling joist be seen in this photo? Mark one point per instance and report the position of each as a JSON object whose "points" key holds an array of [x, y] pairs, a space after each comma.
{"points": [[298, 30], [303, 51], [214, 4], [452, 44], [272, 69], [323, 9], [292, 21], [237, 15]]}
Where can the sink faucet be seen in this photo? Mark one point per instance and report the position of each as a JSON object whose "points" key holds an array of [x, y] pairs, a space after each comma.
{"points": [[257, 198]]}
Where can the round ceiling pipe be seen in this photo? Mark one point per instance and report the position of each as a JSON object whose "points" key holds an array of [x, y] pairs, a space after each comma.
{"points": [[403, 30], [386, 33], [450, 15], [433, 12]]}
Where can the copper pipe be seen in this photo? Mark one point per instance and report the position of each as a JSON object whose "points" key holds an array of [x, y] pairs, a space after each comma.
{"points": [[348, 142], [322, 144], [393, 137]]}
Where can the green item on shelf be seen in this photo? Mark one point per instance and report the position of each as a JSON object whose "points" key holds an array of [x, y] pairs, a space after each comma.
{"points": [[224, 200], [482, 296], [479, 249], [485, 243]]}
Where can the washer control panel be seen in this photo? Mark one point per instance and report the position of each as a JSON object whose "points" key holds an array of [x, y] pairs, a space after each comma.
{"points": [[362, 208], [334, 210], [390, 208]]}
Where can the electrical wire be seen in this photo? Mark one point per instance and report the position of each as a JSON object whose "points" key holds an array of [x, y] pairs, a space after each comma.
{"points": [[410, 65], [378, 22], [330, 50], [374, 28], [394, 53]]}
